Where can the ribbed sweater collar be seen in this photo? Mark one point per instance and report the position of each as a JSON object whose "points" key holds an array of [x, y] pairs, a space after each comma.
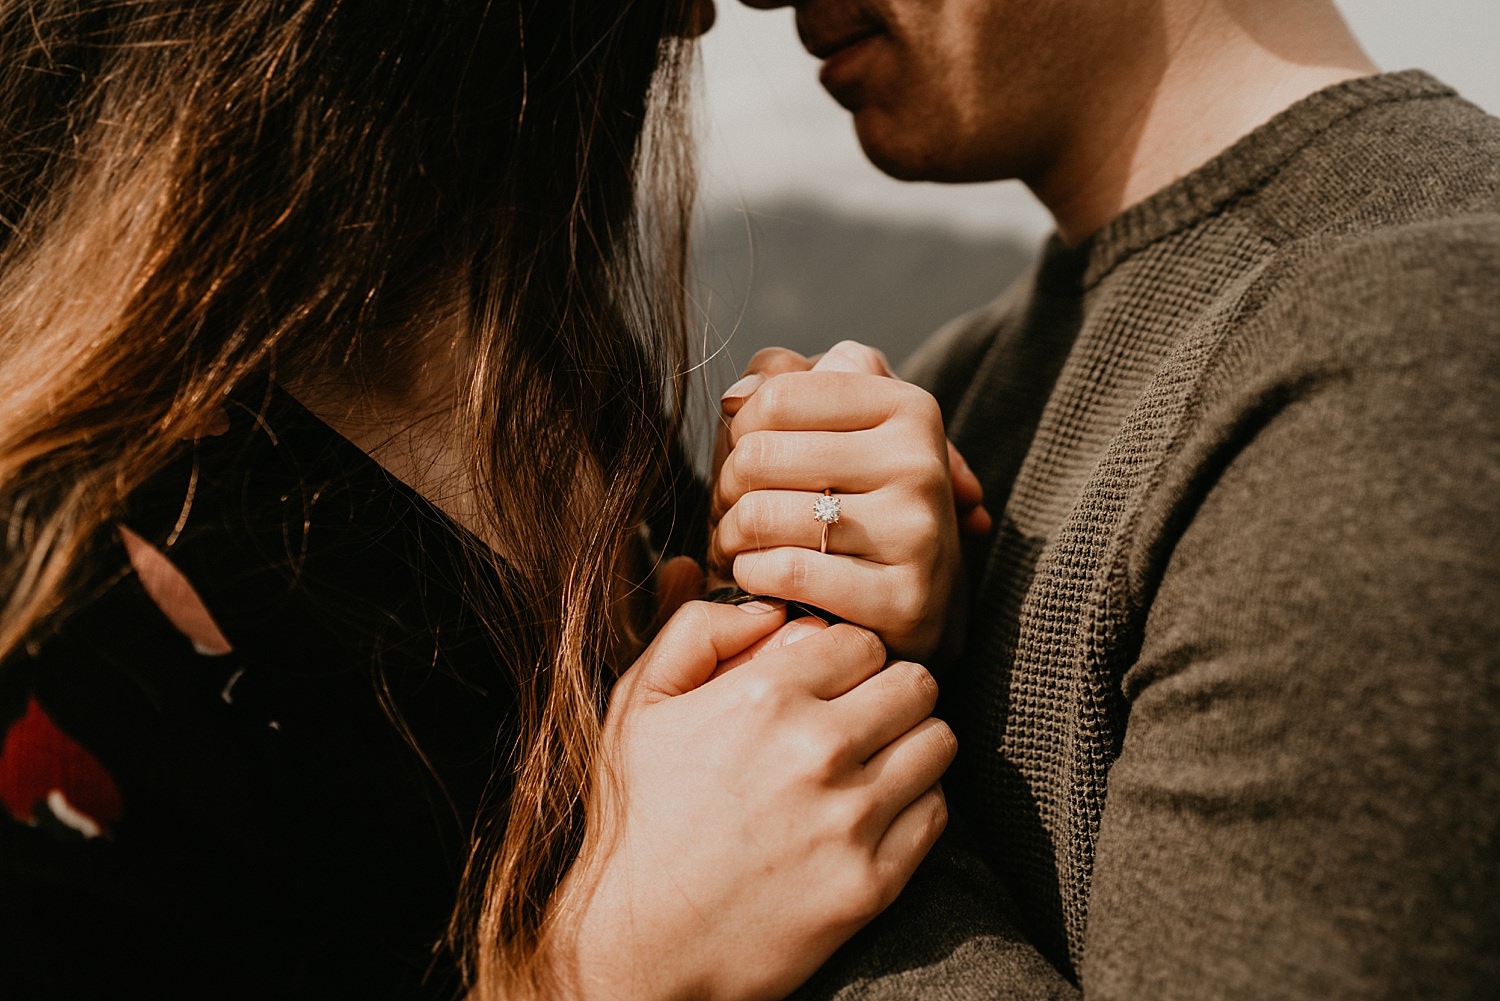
{"points": [[1244, 167]]}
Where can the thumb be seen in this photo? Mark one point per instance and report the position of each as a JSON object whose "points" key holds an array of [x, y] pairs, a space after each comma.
{"points": [[852, 356], [797, 629], [701, 634]]}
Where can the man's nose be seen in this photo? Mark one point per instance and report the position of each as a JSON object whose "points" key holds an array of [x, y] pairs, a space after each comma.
{"points": [[704, 15]]}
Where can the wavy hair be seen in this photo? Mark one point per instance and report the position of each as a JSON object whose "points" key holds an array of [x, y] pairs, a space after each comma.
{"points": [[196, 193]]}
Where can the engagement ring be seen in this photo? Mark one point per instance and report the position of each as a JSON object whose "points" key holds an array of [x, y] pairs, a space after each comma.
{"points": [[826, 511]]}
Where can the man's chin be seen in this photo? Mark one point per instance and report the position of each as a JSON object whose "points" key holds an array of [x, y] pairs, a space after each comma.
{"points": [[905, 156]]}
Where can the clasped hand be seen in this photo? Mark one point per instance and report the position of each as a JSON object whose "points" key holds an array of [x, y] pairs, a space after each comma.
{"points": [[766, 788], [794, 428]]}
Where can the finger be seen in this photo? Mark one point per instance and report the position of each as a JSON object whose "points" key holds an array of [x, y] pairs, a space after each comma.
{"points": [[976, 521], [700, 635], [881, 527], [968, 492], [798, 629], [777, 361], [844, 462], [822, 400], [738, 392], [909, 837], [764, 364], [968, 496], [900, 772], [826, 663], [852, 356], [885, 598], [678, 581], [885, 708]]}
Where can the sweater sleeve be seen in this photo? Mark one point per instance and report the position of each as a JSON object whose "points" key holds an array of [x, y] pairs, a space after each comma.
{"points": [[1306, 802], [1307, 799], [953, 935]]}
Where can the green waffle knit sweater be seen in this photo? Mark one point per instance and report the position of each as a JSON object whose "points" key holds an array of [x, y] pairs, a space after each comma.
{"points": [[1229, 709]]}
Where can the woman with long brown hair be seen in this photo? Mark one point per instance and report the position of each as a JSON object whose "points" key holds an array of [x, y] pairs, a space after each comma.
{"points": [[342, 367]]}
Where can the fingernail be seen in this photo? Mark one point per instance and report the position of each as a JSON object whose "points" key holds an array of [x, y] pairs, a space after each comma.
{"points": [[801, 630], [759, 607], [744, 388]]}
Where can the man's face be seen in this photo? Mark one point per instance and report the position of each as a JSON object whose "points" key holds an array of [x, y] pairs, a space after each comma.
{"points": [[962, 90]]}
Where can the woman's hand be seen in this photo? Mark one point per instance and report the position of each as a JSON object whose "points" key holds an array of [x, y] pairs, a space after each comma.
{"points": [[848, 426], [765, 789]]}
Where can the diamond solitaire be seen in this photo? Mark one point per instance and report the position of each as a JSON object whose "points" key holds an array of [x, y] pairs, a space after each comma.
{"points": [[826, 509]]}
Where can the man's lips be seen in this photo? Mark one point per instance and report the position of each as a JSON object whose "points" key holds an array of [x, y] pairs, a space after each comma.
{"points": [[826, 29], [827, 45]]}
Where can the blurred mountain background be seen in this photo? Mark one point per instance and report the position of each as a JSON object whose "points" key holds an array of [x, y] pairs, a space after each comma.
{"points": [[803, 275]]}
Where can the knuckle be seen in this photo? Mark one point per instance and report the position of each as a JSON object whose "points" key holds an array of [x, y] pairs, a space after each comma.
{"points": [[939, 817], [776, 401], [760, 695], [917, 404], [732, 473], [727, 540], [917, 681], [773, 399], [864, 644], [727, 487], [924, 406], [909, 612], [863, 356], [909, 562], [821, 753], [923, 470], [911, 609], [766, 571], [738, 530], [786, 572], [755, 454], [694, 617], [931, 468], [844, 819], [724, 492], [864, 892], [942, 743], [798, 571], [934, 817], [759, 515]]}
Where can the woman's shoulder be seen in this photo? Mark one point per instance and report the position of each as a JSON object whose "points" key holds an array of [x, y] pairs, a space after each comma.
{"points": [[207, 736], [273, 551]]}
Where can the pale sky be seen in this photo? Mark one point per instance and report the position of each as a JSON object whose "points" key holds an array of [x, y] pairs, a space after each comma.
{"points": [[770, 131]]}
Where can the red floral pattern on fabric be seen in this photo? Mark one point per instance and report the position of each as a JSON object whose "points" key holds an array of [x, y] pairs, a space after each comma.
{"points": [[44, 772], [174, 595]]}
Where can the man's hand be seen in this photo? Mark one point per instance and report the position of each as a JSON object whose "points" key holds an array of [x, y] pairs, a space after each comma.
{"points": [[744, 823]]}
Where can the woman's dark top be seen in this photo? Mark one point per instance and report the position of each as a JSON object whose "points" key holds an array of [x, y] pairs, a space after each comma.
{"points": [[201, 788]]}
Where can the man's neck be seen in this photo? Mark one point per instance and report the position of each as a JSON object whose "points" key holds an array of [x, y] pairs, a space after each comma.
{"points": [[1229, 67]]}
